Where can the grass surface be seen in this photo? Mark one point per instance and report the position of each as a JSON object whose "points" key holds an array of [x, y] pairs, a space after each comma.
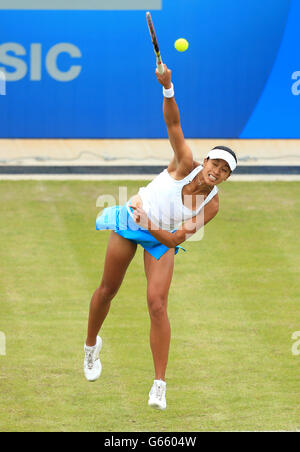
{"points": [[233, 306]]}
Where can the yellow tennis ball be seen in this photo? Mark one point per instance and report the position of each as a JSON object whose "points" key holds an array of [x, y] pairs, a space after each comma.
{"points": [[181, 45]]}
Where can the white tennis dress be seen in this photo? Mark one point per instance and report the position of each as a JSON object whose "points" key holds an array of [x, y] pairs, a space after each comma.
{"points": [[162, 200]]}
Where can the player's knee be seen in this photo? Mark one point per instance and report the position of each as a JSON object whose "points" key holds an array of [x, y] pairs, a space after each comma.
{"points": [[107, 291], [157, 306]]}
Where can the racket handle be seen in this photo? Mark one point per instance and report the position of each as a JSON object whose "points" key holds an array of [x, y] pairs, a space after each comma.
{"points": [[160, 66]]}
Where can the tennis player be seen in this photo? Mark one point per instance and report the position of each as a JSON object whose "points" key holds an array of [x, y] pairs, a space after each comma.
{"points": [[175, 205]]}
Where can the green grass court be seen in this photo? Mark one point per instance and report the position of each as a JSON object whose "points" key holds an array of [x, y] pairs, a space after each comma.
{"points": [[234, 304]]}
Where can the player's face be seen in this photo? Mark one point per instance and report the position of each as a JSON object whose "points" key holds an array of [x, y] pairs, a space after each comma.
{"points": [[215, 171]]}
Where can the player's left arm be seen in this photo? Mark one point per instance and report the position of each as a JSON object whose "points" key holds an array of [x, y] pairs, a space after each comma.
{"points": [[188, 228], [193, 225]]}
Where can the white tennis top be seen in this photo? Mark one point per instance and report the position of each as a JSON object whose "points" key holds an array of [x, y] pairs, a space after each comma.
{"points": [[162, 200]]}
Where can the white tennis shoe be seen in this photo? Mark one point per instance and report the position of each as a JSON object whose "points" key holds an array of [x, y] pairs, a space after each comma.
{"points": [[157, 395], [92, 365]]}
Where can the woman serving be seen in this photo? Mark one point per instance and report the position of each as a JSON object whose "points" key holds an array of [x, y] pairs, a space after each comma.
{"points": [[171, 208]]}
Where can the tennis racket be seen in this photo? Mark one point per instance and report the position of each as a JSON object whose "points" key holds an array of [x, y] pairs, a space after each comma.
{"points": [[159, 62]]}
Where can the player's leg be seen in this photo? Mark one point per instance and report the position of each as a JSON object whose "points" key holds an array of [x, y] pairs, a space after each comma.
{"points": [[119, 254], [159, 276]]}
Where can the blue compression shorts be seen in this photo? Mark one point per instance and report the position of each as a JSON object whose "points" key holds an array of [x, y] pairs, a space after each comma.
{"points": [[118, 219]]}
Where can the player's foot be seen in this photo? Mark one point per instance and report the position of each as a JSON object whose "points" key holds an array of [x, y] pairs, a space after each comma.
{"points": [[92, 365], [157, 395]]}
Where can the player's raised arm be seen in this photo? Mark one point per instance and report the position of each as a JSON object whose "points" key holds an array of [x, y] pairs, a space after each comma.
{"points": [[183, 161]]}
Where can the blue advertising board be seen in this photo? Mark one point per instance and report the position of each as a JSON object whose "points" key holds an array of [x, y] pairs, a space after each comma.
{"points": [[85, 69]]}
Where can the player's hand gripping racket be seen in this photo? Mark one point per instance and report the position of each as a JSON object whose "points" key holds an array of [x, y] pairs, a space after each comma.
{"points": [[159, 62]]}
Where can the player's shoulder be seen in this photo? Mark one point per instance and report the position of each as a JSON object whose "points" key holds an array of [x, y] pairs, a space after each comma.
{"points": [[189, 165], [195, 164], [181, 170]]}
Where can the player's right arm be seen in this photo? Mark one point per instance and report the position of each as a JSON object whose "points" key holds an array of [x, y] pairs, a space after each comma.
{"points": [[182, 162]]}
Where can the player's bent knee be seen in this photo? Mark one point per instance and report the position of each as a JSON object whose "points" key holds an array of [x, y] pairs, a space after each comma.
{"points": [[108, 292]]}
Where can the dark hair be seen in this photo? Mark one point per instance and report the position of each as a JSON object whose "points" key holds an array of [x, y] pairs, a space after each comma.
{"points": [[225, 148]]}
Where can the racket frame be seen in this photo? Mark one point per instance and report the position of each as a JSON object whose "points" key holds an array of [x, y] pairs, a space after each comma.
{"points": [[159, 63]]}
